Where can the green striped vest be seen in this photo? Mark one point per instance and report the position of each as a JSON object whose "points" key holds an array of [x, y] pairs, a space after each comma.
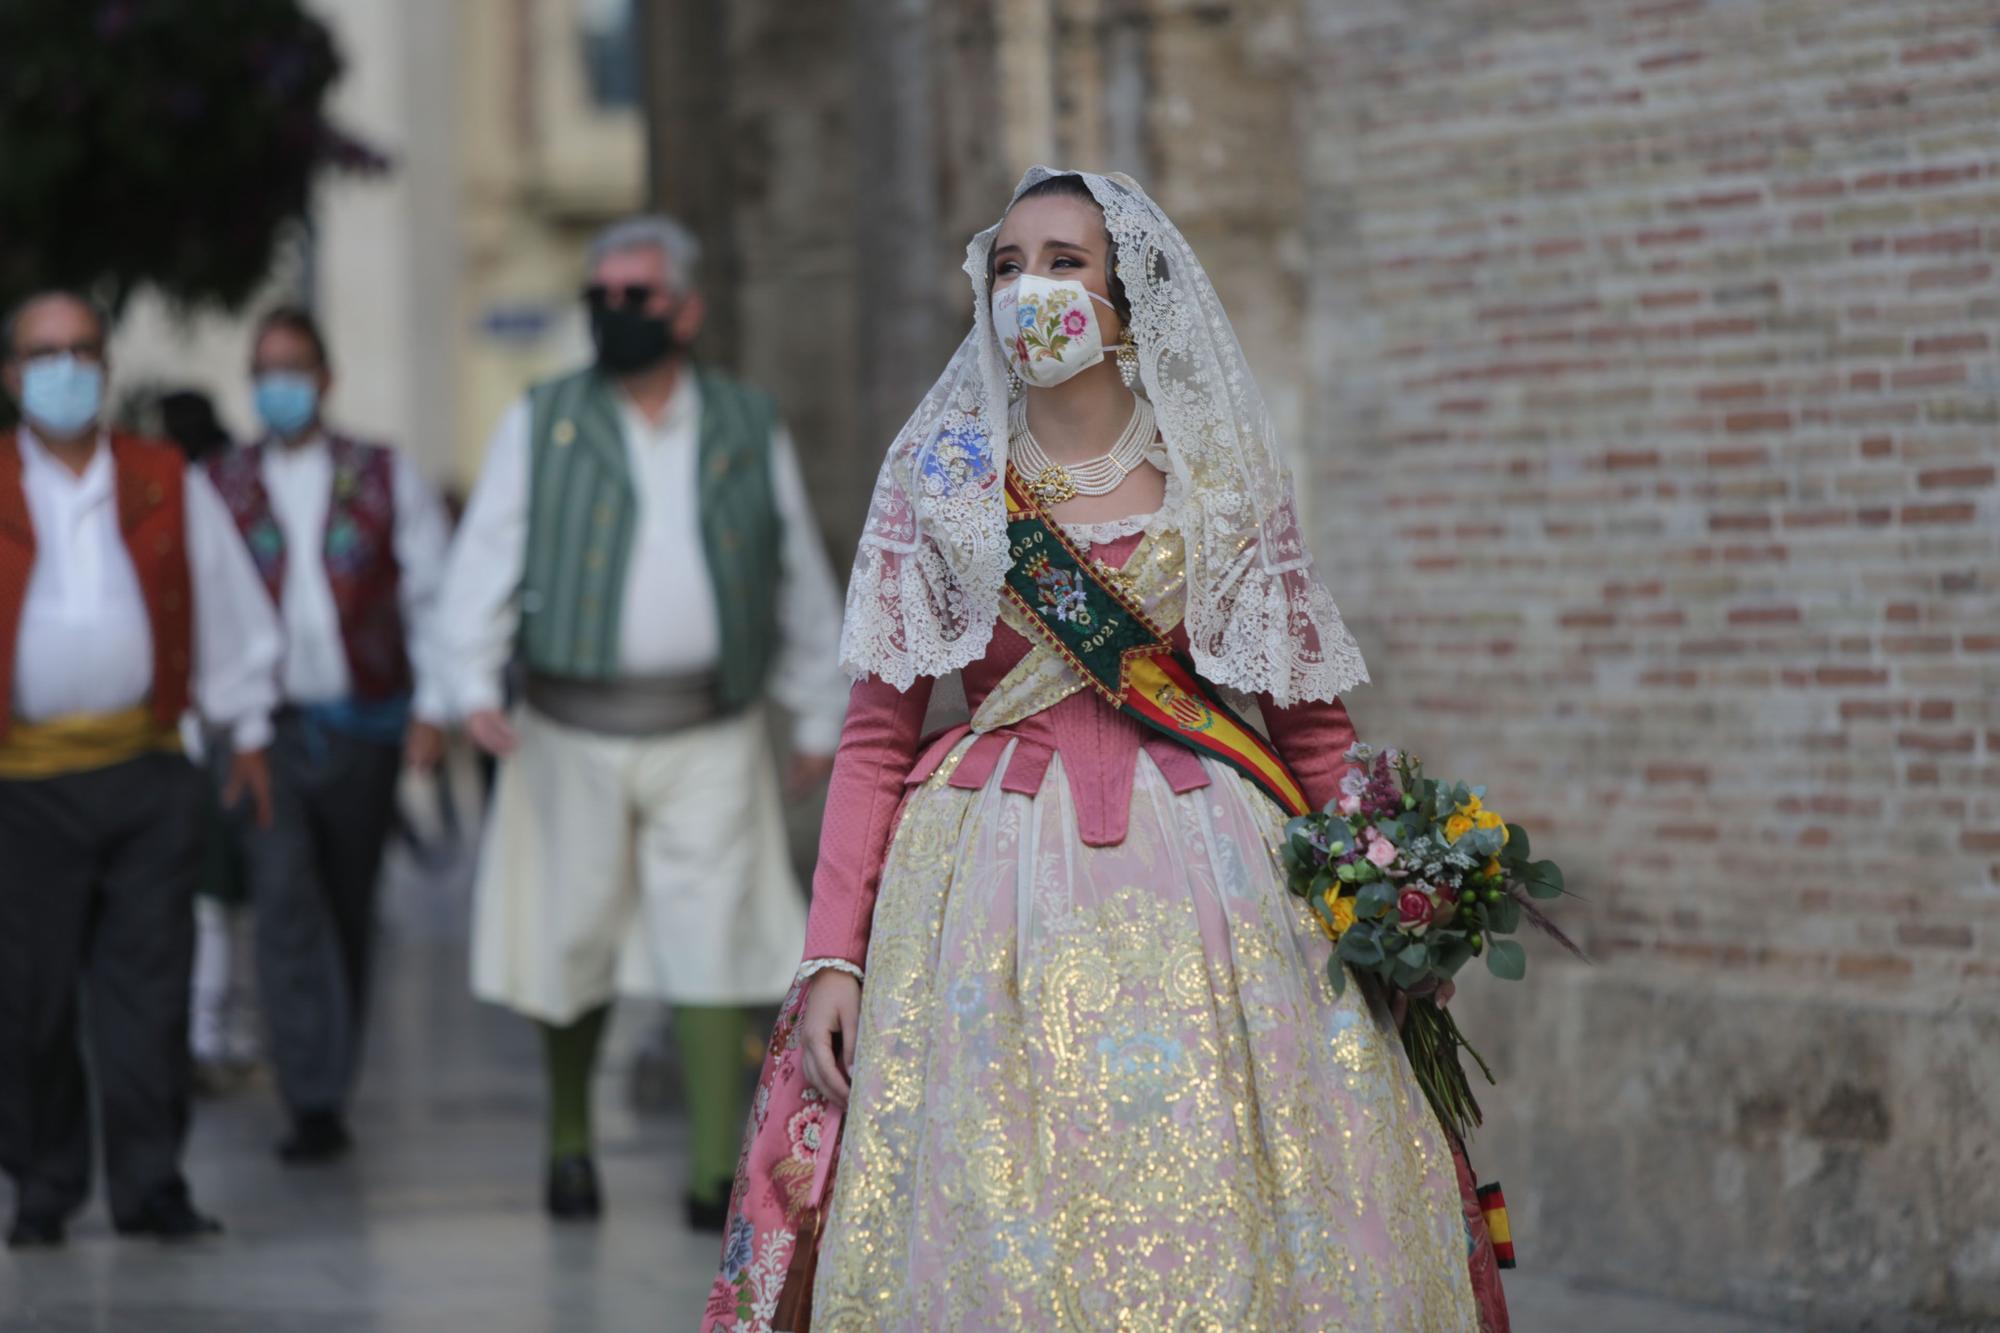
{"points": [[583, 509]]}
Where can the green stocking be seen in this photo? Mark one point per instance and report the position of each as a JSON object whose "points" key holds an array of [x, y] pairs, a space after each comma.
{"points": [[570, 1052], [711, 1042]]}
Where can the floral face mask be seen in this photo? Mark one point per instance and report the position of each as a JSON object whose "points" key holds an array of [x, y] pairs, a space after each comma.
{"points": [[1047, 329]]}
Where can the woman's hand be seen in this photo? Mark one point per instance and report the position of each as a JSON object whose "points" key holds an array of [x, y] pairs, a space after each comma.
{"points": [[1399, 1001], [833, 1009]]}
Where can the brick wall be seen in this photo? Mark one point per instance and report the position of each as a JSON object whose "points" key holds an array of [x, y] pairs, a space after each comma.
{"points": [[1641, 361], [1653, 455]]}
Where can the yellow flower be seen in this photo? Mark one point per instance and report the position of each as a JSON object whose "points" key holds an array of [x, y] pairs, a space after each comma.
{"points": [[1473, 807], [1457, 827], [1487, 819], [1492, 869], [1343, 915]]}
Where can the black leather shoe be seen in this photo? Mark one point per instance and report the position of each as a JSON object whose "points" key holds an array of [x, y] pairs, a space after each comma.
{"points": [[572, 1195], [36, 1233], [707, 1214], [317, 1137], [169, 1216]]}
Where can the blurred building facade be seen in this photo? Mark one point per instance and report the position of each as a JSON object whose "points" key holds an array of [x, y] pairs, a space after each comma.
{"points": [[1641, 364], [449, 283]]}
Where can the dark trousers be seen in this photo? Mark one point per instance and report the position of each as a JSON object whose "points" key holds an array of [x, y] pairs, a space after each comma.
{"points": [[312, 881], [97, 879]]}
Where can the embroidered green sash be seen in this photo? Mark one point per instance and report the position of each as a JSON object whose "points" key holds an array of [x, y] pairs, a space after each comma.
{"points": [[1102, 631]]}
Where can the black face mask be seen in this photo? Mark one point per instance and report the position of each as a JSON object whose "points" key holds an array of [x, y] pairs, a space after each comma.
{"points": [[628, 339]]}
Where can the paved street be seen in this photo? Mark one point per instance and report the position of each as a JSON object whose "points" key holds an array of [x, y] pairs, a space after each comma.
{"points": [[434, 1226]]}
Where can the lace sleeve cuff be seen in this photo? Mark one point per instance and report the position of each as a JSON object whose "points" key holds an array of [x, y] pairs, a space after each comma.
{"points": [[812, 967]]}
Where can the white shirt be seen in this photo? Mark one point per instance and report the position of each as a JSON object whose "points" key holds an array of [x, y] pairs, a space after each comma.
{"points": [[669, 622], [667, 545], [299, 480], [86, 643]]}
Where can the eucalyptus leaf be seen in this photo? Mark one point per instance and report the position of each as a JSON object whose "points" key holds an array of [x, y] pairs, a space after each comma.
{"points": [[1361, 948], [1503, 916], [1517, 843], [1506, 959], [1375, 899], [1336, 976], [1417, 955]]}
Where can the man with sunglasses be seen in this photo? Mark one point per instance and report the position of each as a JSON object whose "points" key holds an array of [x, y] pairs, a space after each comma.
{"points": [[641, 536], [125, 596]]}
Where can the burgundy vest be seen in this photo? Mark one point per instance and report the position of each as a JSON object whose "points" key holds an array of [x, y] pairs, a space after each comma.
{"points": [[359, 553], [152, 519]]}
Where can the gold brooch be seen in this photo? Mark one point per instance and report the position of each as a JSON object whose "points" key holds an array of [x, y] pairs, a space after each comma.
{"points": [[1054, 486]]}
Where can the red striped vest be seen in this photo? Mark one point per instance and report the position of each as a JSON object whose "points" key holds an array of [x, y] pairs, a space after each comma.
{"points": [[359, 553]]}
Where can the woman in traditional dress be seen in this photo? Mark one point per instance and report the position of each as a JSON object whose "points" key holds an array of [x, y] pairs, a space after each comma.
{"points": [[1068, 1032]]}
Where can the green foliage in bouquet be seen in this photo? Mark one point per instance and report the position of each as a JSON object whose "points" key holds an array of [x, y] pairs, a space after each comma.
{"points": [[1412, 878]]}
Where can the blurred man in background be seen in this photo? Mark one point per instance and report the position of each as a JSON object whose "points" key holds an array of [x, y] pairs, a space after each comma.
{"points": [[350, 542], [222, 1018], [124, 594], [641, 531]]}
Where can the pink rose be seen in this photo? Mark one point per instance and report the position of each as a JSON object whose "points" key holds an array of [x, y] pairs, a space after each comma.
{"points": [[1074, 323], [1350, 805], [1414, 910], [1382, 853]]}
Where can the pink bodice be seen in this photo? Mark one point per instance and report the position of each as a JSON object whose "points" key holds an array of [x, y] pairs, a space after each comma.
{"points": [[881, 757]]}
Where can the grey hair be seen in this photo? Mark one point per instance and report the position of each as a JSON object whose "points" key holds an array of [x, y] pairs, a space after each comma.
{"points": [[654, 231], [12, 324]]}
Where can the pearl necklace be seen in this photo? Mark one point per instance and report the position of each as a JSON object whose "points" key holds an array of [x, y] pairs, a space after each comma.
{"points": [[1053, 482]]}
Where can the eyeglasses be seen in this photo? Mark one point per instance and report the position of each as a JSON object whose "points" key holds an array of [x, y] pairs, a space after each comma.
{"points": [[601, 297], [91, 350]]}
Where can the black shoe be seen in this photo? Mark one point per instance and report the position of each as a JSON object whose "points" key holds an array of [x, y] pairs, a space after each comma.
{"points": [[707, 1214], [572, 1195], [36, 1233], [317, 1137], [169, 1216]]}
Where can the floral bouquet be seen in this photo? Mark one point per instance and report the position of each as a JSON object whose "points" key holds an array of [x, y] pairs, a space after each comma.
{"points": [[1412, 879]]}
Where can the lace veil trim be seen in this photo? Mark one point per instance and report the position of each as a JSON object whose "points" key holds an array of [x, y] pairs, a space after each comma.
{"points": [[925, 592]]}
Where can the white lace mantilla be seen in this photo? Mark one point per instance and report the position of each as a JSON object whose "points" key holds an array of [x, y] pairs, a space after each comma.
{"points": [[925, 593]]}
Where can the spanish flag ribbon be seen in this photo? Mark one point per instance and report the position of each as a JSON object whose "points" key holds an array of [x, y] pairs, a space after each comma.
{"points": [[1102, 631], [1494, 1204]]}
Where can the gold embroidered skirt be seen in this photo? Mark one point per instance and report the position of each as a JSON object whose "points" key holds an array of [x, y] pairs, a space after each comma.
{"points": [[1110, 1088]]}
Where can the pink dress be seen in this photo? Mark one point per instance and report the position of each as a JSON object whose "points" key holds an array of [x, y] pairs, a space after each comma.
{"points": [[1101, 1080]]}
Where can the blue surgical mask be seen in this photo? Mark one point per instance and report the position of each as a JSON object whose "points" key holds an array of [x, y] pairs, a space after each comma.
{"points": [[287, 400], [62, 394]]}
